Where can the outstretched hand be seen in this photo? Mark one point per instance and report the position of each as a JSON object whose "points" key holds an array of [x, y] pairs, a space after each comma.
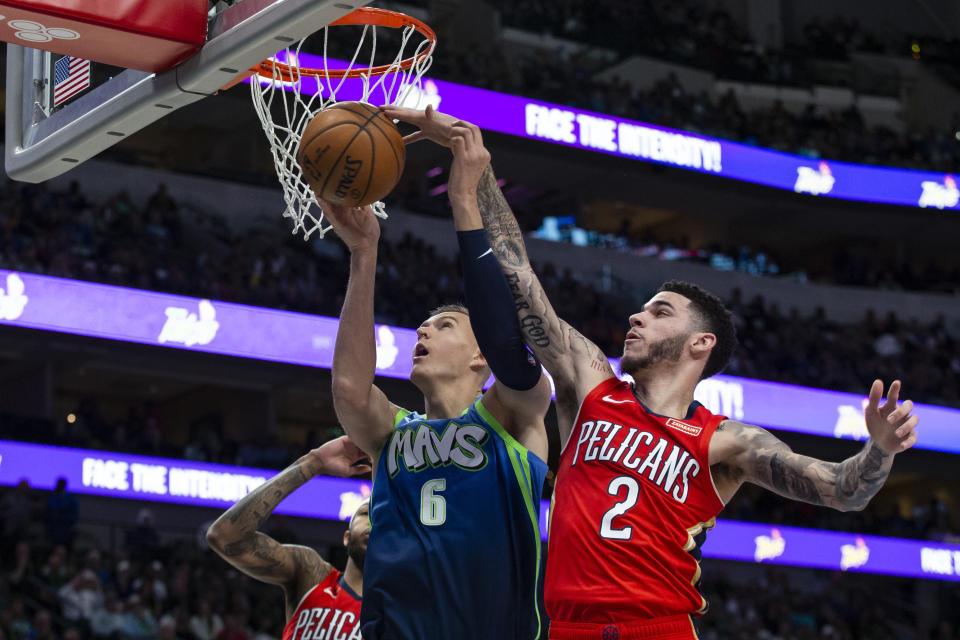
{"points": [[434, 126], [470, 157], [356, 226], [892, 428], [470, 160], [339, 457]]}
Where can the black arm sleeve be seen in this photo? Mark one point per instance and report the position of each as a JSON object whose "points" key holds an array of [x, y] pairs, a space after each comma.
{"points": [[492, 314]]}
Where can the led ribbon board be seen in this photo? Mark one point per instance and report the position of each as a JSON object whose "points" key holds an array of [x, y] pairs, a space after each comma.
{"points": [[161, 319], [635, 140], [121, 475]]}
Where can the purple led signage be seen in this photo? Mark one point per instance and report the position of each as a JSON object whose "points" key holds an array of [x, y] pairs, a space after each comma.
{"points": [[147, 317], [160, 319], [631, 139], [751, 542], [152, 479], [120, 475]]}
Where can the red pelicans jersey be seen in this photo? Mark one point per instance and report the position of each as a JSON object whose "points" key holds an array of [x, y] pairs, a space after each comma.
{"points": [[329, 611], [633, 501]]}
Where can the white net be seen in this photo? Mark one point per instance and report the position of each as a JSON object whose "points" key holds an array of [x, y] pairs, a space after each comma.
{"points": [[285, 104]]}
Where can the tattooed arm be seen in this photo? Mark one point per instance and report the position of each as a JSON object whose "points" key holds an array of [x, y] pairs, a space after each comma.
{"points": [[744, 453], [755, 455], [576, 364], [236, 539]]}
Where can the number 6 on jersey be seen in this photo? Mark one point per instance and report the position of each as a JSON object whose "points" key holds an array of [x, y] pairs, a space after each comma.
{"points": [[433, 508]]}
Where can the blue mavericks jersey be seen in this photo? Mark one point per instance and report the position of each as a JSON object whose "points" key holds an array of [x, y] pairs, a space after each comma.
{"points": [[454, 549]]}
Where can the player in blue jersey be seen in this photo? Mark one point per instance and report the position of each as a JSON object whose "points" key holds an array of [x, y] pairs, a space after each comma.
{"points": [[454, 550]]}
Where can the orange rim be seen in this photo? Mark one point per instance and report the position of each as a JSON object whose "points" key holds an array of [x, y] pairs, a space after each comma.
{"points": [[363, 16]]}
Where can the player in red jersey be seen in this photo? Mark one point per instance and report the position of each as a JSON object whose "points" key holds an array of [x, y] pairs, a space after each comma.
{"points": [[645, 469], [321, 602]]}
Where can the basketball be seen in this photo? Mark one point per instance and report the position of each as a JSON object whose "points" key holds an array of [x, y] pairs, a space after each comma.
{"points": [[351, 154]]}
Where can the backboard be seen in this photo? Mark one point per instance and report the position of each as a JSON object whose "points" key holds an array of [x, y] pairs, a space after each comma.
{"points": [[41, 145]]}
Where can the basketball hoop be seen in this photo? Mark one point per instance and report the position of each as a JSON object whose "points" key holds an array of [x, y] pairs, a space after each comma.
{"points": [[301, 92]]}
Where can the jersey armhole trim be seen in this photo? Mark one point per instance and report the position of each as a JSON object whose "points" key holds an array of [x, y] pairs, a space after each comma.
{"points": [[511, 442], [401, 414], [595, 391], [311, 590], [713, 483]]}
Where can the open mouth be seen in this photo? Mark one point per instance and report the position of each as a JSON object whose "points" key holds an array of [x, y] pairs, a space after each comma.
{"points": [[419, 351]]}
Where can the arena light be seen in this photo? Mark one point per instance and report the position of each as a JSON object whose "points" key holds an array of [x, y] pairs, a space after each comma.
{"points": [[560, 124], [119, 475], [160, 319]]}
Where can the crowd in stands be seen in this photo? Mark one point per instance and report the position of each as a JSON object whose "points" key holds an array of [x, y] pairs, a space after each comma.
{"points": [[835, 607], [686, 34], [710, 38], [117, 242], [60, 582], [56, 583], [847, 268]]}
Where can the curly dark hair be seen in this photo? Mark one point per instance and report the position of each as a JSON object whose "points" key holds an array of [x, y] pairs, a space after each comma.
{"points": [[711, 316]]}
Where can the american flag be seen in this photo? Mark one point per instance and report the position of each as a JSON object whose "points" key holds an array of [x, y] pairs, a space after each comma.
{"points": [[71, 75]]}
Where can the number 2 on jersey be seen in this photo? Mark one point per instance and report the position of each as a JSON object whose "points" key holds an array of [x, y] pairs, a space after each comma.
{"points": [[433, 508], [620, 508]]}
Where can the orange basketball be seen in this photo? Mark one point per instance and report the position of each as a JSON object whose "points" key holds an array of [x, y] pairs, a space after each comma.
{"points": [[351, 154]]}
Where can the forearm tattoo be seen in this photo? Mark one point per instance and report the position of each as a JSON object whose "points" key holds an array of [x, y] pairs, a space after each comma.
{"points": [[504, 233], [253, 509], [860, 478], [847, 485], [551, 339], [238, 527]]}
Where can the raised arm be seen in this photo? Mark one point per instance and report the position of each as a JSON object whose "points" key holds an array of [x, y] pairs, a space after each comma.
{"points": [[236, 538], [576, 364], [744, 453], [362, 408], [520, 396]]}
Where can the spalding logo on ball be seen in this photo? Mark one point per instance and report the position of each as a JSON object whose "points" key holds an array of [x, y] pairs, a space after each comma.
{"points": [[351, 154]]}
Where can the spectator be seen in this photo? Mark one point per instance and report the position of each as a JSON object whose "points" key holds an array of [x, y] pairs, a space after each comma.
{"points": [[43, 626], [19, 626], [82, 596], [167, 628], [139, 622], [23, 578], [143, 540], [16, 513], [152, 579], [53, 575], [233, 628], [205, 624], [92, 562], [108, 621], [123, 581], [62, 514]]}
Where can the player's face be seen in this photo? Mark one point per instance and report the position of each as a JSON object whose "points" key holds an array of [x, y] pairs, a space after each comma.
{"points": [[445, 347], [658, 333], [358, 534]]}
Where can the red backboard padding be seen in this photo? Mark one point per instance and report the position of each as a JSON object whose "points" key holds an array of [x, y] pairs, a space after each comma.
{"points": [[149, 35]]}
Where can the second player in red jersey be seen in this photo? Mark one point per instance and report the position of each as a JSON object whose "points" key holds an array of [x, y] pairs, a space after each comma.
{"points": [[330, 610], [321, 602]]}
